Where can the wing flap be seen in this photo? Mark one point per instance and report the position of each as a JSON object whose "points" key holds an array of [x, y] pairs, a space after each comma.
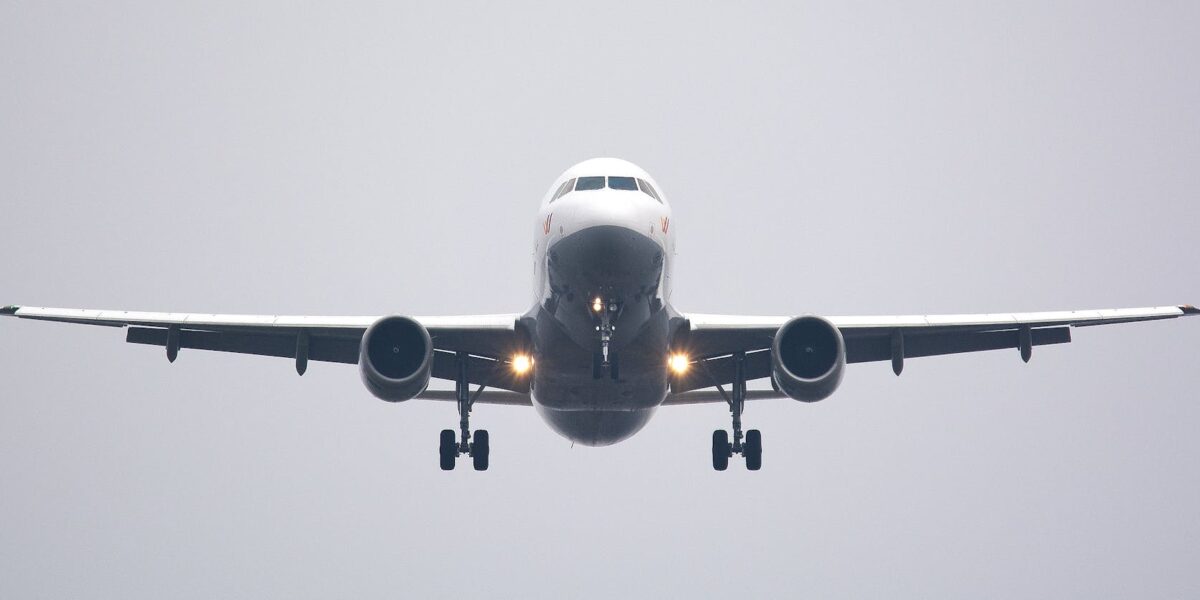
{"points": [[714, 396], [480, 371], [869, 348], [320, 348], [719, 370], [485, 397]]}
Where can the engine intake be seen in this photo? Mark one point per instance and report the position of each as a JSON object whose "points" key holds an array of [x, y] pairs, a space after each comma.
{"points": [[808, 357], [396, 358]]}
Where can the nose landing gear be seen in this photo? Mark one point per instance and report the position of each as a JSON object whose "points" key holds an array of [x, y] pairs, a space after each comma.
{"points": [[751, 447], [450, 449], [605, 361]]}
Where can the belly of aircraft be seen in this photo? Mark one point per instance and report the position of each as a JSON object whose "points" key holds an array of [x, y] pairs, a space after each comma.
{"points": [[587, 407], [598, 411]]}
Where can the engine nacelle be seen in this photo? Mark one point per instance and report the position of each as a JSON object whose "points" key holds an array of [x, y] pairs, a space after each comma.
{"points": [[396, 358], [808, 358]]}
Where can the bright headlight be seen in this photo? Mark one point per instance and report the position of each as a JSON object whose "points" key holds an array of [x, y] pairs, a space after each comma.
{"points": [[678, 363], [521, 364]]}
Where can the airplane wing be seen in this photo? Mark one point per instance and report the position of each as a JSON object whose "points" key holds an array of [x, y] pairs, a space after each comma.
{"points": [[712, 339], [487, 339]]}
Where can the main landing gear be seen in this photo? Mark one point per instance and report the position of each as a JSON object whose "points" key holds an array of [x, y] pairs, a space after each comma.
{"points": [[450, 449], [751, 447]]}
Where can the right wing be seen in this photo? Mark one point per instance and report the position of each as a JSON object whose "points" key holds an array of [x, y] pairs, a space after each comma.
{"points": [[487, 339]]}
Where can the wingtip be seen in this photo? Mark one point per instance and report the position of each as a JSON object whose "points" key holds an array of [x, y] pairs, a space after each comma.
{"points": [[10, 309], [1188, 309]]}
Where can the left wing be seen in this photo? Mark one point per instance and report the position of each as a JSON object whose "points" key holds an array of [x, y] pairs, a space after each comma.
{"points": [[712, 339], [488, 339]]}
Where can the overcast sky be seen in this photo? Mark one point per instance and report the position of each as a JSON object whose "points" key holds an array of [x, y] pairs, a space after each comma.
{"points": [[839, 158]]}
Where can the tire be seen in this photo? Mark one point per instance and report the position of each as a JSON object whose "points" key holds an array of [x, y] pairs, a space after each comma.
{"points": [[447, 450], [753, 450], [480, 450], [720, 450]]}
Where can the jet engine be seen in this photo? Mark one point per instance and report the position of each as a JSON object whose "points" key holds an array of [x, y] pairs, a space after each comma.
{"points": [[396, 358], [808, 357]]}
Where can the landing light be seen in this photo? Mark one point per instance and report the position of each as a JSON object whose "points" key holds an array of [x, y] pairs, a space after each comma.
{"points": [[597, 304], [521, 364], [678, 363]]}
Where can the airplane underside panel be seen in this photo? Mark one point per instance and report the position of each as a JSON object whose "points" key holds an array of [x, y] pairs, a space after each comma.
{"points": [[595, 427], [589, 392]]}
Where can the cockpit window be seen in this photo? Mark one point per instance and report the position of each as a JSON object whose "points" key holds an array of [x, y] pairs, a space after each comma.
{"points": [[612, 182], [589, 183], [649, 190], [567, 186], [623, 183]]}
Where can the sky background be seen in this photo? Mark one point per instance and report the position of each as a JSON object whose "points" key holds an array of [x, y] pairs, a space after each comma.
{"points": [[833, 158]]}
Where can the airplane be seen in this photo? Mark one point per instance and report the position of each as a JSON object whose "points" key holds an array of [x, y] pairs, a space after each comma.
{"points": [[602, 347]]}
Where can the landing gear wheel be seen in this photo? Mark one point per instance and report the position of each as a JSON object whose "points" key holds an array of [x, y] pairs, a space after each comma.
{"points": [[479, 450], [475, 445], [721, 450], [752, 450], [749, 445], [447, 450]]}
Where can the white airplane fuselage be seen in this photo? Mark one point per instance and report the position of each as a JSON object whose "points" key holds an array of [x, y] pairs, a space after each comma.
{"points": [[602, 324]]}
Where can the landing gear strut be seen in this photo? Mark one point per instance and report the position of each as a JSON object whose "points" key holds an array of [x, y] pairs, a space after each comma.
{"points": [[751, 446], [448, 448], [605, 360]]}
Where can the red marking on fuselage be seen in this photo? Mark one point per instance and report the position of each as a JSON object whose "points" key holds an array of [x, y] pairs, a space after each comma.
{"points": [[546, 225], [664, 222]]}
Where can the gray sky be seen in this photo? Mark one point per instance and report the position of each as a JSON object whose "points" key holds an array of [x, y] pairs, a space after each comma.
{"points": [[840, 158]]}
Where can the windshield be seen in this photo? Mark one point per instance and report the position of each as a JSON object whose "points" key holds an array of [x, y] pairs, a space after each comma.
{"points": [[623, 183], [612, 182], [589, 183]]}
